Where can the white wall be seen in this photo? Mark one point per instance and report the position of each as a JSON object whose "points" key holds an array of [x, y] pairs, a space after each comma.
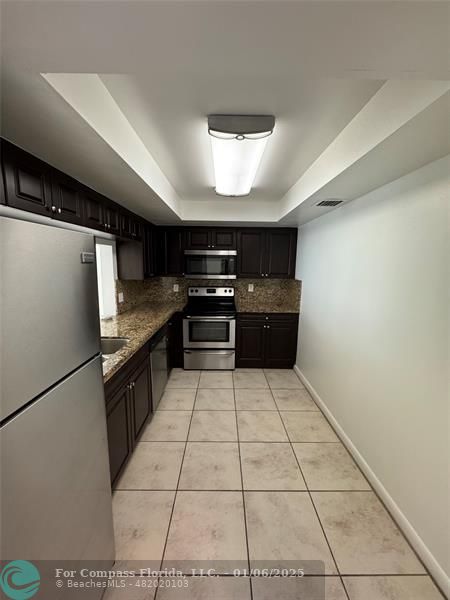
{"points": [[106, 277], [373, 340]]}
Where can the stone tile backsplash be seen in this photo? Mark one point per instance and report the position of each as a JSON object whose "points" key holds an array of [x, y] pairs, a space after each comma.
{"points": [[271, 295]]}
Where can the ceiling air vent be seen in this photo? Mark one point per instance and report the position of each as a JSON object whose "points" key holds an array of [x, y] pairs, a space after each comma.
{"points": [[330, 202]]}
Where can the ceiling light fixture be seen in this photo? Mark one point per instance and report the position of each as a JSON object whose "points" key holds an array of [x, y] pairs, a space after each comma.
{"points": [[238, 143]]}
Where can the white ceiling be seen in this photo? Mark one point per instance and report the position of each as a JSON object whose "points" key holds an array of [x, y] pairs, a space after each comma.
{"points": [[138, 131]]}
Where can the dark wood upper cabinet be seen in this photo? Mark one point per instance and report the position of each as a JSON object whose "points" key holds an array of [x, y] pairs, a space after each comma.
{"points": [[174, 252], [130, 226], [203, 238], [27, 180], [93, 210], [130, 260], [251, 252], [267, 253], [67, 199], [281, 249], [111, 217], [32, 185], [223, 239], [149, 252], [197, 239]]}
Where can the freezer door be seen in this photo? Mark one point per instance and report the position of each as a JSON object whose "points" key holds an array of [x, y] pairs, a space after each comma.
{"points": [[49, 319], [55, 488]]}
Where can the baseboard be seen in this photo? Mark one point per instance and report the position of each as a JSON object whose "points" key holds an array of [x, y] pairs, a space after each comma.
{"points": [[436, 571]]}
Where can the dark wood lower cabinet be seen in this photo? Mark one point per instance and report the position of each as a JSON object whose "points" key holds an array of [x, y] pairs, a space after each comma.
{"points": [[141, 401], [281, 342], [250, 343], [128, 407], [266, 340], [175, 341], [119, 431]]}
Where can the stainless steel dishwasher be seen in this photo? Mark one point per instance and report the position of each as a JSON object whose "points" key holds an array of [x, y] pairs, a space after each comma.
{"points": [[159, 365]]}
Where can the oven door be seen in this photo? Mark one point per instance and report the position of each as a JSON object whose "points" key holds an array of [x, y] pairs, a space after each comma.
{"points": [[209, 332], [207, 264]]}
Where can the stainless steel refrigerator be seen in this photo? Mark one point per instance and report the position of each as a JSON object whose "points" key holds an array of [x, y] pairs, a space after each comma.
{"points": [[55, 489]]}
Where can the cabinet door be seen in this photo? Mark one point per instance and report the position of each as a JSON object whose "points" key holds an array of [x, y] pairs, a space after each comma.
{"points": [[251, 247], [281, 342], [67, 199], [136, 228], [198, 239], [119, 431], [280, 253], [141, 397], [250, 342], [160, 251], [130, 226], [27, 181], [130, 260], [93, 210], [149, 247], [112, 218], [223, 239], [126, 225], [174, 252]]}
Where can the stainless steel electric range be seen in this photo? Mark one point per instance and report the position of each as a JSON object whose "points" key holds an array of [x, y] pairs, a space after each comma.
{"points": [[209, 328]]}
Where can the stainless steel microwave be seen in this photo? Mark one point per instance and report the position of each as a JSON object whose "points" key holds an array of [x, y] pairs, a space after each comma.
{"points": [[210, 264]]}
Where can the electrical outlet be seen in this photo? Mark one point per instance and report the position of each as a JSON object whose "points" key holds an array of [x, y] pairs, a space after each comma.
{"points": [[120, 297], [176, 287], [251, 287]]}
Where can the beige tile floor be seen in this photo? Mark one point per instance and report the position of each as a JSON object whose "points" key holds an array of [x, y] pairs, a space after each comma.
{"points": [[237, 469]]}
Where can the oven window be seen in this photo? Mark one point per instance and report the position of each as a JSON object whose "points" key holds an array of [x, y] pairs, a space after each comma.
{"points": [[209, 331], [210, 265]]}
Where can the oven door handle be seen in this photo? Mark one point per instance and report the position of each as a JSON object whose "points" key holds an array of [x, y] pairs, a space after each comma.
{"points": [[215, 352], [214, 318]]}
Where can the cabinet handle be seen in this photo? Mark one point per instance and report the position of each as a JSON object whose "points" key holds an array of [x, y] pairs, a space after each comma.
{"points": [[53, 209], [59, 211], [268, 326]]}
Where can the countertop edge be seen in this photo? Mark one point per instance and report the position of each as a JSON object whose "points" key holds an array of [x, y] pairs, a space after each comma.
{"points": [[131, 352]]}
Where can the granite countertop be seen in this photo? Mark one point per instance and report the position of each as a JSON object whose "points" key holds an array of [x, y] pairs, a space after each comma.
{"points": [[138, 324]]}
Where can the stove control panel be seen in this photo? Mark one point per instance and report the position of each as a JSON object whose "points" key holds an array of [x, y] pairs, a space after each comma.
{"points": [[213, 292]]}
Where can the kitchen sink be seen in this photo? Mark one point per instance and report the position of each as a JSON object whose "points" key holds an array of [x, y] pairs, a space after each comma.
{"points": [[111, 345]]}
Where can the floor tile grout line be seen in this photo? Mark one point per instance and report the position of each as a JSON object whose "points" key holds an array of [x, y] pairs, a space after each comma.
{"points": [[256, 490], [314, 507], [176, 491], [307, 490], [372, 489], [231, 441], [243, 493]]}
